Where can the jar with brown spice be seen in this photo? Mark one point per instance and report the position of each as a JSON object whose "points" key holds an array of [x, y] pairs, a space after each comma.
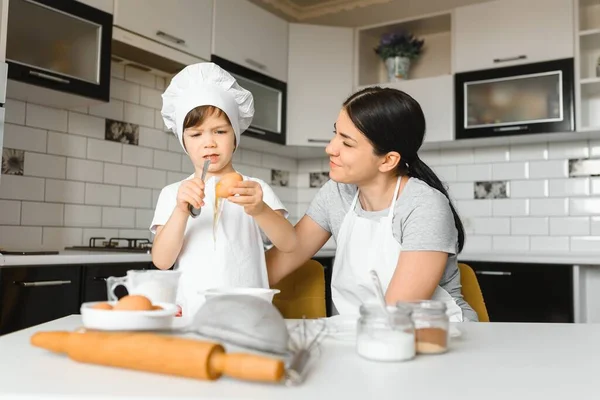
{"points": [[431, 326]]}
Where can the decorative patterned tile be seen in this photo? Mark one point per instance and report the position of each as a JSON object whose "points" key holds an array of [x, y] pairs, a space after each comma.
{"points": [[491, 190], [584, 167], [280, 178], [123, 132], [318, 179], [13, 162]]}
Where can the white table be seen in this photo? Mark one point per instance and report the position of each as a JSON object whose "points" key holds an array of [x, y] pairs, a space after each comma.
{"points": [[489, 362]]}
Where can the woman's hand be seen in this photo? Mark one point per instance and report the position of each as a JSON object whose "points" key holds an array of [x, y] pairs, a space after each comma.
{"points": [[249, 195], [190, 191]]}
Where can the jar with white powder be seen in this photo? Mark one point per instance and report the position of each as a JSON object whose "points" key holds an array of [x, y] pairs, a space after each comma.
{"points": [[385, 337]]}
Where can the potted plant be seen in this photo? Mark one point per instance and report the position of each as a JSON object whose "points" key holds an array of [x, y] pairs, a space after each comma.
{"points": [[397, 49]]}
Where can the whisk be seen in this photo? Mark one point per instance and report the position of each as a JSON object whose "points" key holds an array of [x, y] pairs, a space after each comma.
{"points": [[302, 347]]}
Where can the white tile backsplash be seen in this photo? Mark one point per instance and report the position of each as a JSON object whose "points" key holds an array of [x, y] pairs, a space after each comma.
{"points": [[137, 114], [510, 243], [45, 166], [42, 214], [150, 137], [510, 207], [510, 170], [14, 187], [123, 90], [151, 178], [559, 150], [446, 173], [46, 117], [475, 172], [15, 111], [548, 207], [252, 158], [106, 233], [474, 208], [568, 187], [104, 150], [569, 226], [491, 226], [65, 144], [21, 237], [59, 238], [528, 188], [150, 97], [491, 154], [83, 216], [112, 110], [529, 152], [167, 160], [582, 206], [102, 195], [86, 125], [262, 173], [138, 156], [24, 138], [589, 244], [478, 244], [548, 169], [84, 170], [547, 244], [116, 174], [10, 212], [143, 218], [114, 217], [173, 177], [456, 156], [460, 190], [61, 191], [529, 226], [174, 145], [595, 226], [139, 76], [136, 197]]}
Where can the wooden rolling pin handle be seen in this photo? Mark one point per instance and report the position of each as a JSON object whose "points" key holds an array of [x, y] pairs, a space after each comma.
{"points": [[248, 367]]}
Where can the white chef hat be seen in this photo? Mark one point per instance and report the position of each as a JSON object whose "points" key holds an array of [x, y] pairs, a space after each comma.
{"points": [[206, 84]]}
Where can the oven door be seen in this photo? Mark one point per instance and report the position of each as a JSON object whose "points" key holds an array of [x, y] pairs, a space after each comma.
{"points": [[270, 99], [516, 100]]}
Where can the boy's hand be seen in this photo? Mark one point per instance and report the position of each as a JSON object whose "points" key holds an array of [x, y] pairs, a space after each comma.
{"points": [[250, 196], [190, 192]]}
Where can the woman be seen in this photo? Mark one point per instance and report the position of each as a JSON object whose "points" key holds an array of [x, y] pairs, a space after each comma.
{"points": [[386, 209]]}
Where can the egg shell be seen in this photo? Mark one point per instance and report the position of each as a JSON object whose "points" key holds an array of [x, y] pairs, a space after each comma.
{"points": [[133, 303], [227, 182], [102, 306]]}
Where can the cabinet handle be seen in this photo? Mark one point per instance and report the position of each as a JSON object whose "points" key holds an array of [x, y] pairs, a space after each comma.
{"points": [[494, 273], [43, 283], [49, 77], [256, 64], [257, 131], [501, 60], [99, 278], [171, 38], [318, 141]]}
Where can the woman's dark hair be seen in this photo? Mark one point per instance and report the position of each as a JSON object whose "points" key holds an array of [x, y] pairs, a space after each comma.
{"points": [[393, 121]]}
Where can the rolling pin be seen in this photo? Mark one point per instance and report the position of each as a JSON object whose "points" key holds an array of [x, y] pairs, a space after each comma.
{"points": [[160, 354]]}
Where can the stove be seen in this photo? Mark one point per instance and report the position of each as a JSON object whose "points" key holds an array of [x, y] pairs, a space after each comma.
{"points": [[117, 244], [28, 252]]}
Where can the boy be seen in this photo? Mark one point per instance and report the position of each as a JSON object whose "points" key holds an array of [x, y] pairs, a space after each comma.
{"points": [[207, 110]]}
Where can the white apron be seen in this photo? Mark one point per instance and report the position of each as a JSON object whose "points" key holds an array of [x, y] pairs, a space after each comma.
{"points": [[233, 257], [364, 244]]}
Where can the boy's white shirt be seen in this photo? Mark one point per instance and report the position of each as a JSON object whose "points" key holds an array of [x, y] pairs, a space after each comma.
{"points": [[238, 257]]}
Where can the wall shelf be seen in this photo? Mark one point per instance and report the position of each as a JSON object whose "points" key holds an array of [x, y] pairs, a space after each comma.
{"points": [[436, 59]]}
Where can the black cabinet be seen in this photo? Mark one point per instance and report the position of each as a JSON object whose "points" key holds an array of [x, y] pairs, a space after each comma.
{"points": [[94, 279], [518, 292], [327, 263], [34, 295]]}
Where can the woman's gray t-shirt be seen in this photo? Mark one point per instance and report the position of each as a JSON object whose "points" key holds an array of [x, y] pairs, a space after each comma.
{"points": [[423, 221]]}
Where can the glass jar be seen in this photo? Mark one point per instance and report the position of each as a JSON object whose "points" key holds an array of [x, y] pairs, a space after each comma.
{"points": [[382, 337], [432, 326]]}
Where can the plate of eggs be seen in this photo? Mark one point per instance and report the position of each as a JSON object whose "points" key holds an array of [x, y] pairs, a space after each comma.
{"points": [[130, 313]]}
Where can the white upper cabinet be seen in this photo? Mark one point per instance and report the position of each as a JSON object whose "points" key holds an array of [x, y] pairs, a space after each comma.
{"points": [[182, 24], [436, 97], [251, 37], [508, 32], [103, 5], [320, 77]]}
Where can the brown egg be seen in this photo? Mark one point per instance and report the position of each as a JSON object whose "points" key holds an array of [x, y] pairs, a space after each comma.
{"points": [[133, 303], [102, 306], [227, 182], [156, 308]]}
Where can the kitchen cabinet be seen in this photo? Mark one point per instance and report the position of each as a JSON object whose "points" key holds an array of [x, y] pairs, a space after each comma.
{"points": [[104, 5], [436, 98], [34, 295], [519, 292], [320, 77], [94, 279], [508, 32], [182, 24], [250, 36]]}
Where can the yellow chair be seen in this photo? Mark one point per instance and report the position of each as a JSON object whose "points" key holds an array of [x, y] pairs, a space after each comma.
{"points": [[302, 292], [472, 292]]}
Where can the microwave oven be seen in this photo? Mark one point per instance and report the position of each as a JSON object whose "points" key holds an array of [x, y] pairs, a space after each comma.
{"points": [[270, 101], [516, 100]]}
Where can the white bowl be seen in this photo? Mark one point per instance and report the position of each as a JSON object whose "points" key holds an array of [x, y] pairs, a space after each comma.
{"points": [[263, 293], [111, 320]]}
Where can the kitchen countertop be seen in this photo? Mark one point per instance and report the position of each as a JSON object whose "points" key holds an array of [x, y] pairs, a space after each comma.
{"points": [[94, 257], [490, 360]]}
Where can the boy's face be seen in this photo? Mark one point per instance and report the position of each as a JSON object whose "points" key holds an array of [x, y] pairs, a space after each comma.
{"points": [[213, 139]]}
